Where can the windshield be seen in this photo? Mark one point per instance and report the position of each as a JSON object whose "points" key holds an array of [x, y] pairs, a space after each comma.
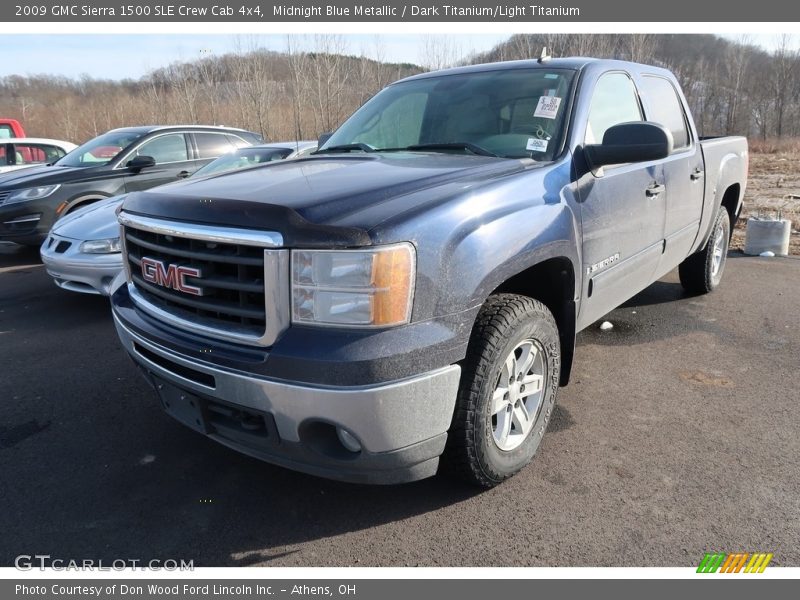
{"points": [[515, 113], [243, 158], [101, 150]]}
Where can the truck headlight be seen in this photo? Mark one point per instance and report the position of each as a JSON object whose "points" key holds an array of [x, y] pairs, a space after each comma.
{"points": [[109, 246], [34, 193], [357, 288]]}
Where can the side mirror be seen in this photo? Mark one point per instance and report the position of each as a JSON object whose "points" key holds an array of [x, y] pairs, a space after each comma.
{"points": [[639, 141], [324, 137], [141, 162]]}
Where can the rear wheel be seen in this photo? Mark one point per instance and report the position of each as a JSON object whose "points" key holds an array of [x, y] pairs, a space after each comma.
{"points": [[701, 272], [508, 389]]}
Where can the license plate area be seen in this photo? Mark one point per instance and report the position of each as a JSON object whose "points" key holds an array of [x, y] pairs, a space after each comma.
{"points": [[232, 423], [183, 406]]}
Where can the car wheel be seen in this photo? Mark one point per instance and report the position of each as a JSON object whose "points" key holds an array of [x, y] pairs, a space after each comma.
{"points": [[701, 272], [507, 392]]}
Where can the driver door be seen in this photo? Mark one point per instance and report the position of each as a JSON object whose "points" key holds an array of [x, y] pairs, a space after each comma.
{"points": [[172, 153], [622, 209]]}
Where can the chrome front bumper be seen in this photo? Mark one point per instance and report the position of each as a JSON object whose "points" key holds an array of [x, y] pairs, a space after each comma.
{"points": [[401, 425]]}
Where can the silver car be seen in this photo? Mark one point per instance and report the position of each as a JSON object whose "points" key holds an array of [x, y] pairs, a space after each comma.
{"points": [[82, 250]]}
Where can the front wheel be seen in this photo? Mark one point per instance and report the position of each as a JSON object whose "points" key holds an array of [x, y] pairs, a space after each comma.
{"points": [[507, 393], [701, 272]]}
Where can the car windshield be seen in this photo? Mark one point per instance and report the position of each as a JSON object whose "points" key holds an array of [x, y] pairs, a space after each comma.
{"points": [[514, 113], [101, 150], [241, 159]]}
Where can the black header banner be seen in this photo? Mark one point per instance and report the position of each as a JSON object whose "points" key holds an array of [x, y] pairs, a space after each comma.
{"points": [[321, 11]]}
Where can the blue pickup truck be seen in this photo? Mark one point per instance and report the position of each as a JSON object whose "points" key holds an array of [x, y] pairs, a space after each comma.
{"points": [[406, 300]]}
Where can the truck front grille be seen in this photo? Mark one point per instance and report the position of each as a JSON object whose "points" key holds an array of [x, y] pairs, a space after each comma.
{"points": [[231, 280], [205, 280]]}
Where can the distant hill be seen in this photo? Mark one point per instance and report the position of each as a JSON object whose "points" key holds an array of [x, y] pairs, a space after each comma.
{"points": [[732, 87]]}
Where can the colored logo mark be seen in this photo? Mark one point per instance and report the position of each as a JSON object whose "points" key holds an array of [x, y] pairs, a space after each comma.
{"points": [[739, 562]]}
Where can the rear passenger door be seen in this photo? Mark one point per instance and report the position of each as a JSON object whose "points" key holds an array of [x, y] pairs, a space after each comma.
{"points": [[683, 170], [209, 145], [172, 153], [622, 208]]}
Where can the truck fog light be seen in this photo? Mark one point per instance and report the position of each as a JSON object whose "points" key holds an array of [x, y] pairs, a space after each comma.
{"points": [[348, 440]]}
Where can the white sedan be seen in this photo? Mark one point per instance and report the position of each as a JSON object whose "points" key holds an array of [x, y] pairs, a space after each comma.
{"points": [[20, 153]]}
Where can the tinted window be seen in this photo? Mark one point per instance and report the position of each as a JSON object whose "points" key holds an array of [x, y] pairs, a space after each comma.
{"points": [[165, 149], [400, 123], [212, 145], [243, 158], [614, 101], [101, 150], [237, 141], [664, 107], [513, 113]]}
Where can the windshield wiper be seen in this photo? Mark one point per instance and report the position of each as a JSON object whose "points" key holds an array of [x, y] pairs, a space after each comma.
{"points": [[346, 148], [474, 148]]}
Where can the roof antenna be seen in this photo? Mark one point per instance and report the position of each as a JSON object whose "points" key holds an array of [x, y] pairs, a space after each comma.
{"points": [[544, 56]]}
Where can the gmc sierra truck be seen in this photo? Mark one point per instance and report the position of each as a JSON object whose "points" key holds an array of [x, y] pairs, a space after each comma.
{"points": [[406, 300]]}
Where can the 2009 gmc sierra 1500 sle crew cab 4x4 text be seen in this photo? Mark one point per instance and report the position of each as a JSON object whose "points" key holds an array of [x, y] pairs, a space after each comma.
{"points": [[406, 300]]}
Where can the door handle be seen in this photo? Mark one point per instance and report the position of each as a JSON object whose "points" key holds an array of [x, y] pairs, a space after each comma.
{"points": [[183, 174], [696, 174], [654, 189]]}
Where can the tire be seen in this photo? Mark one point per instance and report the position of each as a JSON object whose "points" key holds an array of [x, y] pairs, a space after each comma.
{"points": [[701, 272], [486, 446]]}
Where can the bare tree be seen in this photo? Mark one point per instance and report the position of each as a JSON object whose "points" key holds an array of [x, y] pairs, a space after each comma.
{"points": [[738, 60], [641, 47], [439, 52], [185, 82], [329, 73], [298, 78], [207, 75], [784, 72]]}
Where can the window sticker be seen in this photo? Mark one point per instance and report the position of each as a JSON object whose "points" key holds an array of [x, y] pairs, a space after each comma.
{"points": [[535, 145], [551, 76], [547, 107]]}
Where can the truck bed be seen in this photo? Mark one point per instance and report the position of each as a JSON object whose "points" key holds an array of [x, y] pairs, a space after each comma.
{"points": [[726, 162]]}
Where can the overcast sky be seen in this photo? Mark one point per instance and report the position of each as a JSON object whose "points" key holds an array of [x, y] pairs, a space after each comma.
{"points": [[121, 56], [131, 56]]}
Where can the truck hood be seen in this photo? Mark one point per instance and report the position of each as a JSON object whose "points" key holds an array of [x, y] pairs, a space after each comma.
{"points": [[331, 197], [43, 175]]}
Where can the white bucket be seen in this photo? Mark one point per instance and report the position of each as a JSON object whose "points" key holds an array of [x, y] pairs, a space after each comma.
{"points": [[767, 235]]}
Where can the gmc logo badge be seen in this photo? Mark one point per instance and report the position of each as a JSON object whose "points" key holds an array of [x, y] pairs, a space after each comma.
{"points": [[172, 276]]}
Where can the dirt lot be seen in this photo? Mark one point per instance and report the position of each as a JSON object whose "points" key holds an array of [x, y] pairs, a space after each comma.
{"points": [[773, 188]]}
